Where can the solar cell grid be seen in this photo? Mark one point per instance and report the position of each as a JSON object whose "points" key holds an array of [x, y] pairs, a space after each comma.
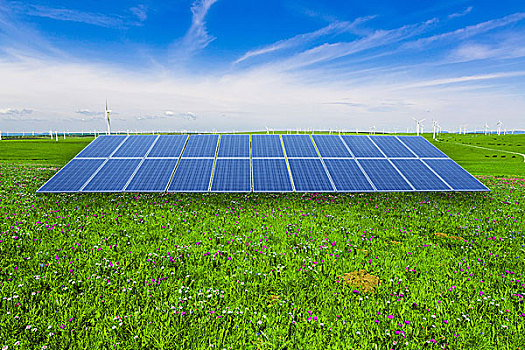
{"points": [[331, 146], [192, 175], [309, 175], [102, 146], [231, 175], [72, 176], [271, 175], [347, 176], [362, 146], [419, 175], [299, 146], [392, 147], [455, 176], [135, 146], [421, 147], [383, 175], [168, 146], [113, 176], [201, 146], [234, 146], [152, 176], [267, 146]]}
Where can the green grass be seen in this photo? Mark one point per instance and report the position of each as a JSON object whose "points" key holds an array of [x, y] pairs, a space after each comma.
{"points": [[259, 271]]}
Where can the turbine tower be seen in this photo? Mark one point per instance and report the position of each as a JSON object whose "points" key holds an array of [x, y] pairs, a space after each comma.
{"points": [[499, 124], [486, 128], [418, 125], [106, 114], [434, 128]]}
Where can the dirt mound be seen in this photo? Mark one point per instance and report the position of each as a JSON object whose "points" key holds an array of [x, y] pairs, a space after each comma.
{"points": [[362, 280]]}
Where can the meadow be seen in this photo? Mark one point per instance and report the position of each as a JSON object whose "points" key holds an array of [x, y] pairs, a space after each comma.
{"points": [[261, 271]]}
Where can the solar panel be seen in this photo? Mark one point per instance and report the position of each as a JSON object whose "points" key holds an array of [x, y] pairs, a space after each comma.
{"points": [[267, 146], [271, 175], [201, 146], [362, 146], [234, 146], [231, 175], [392, 147], [383, 175], [309, 175], [101, 147], [331, 146], [152, 176], [421, 147], [299, 146], [347, 176], [192, 175], [72, 176], [135, 146], [113, 176], [419, 175], [168, 146], [455, 175], [148, 163]]}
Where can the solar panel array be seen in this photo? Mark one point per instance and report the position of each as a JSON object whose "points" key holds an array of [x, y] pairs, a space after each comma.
{"points": [[261, 163]]}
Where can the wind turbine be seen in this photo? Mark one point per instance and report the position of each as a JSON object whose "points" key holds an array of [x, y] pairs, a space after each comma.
{"points": [[418, 125], [373, 130], [106, 114], [486, 128], [0, 135], [434, 128], [499, 124]]}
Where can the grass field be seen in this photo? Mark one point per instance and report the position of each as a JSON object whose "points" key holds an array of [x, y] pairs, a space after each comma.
{"points": [[236, 271]]}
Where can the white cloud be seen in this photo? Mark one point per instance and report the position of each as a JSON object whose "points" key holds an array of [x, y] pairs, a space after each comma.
{"points": [[15, 111], [461, 14], [197, 37], [88, 112], [140, 11], [301, 39]]}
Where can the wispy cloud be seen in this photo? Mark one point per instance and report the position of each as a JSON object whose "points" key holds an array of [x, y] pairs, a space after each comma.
{"points": [[72, 15], [186, 115], [301, 39], [461, 14], [197, 37], [88, 112], [464, 79], [469, 31]]}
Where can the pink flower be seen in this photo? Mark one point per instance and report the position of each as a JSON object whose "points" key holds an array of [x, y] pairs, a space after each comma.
{"points": [[390, 317]]}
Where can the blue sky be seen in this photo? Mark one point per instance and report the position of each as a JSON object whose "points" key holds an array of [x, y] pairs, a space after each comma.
{"points": [[247, 65]]}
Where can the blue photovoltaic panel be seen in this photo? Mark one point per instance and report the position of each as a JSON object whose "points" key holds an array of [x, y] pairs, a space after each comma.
{"points": [[361, 146], [201, 146], [192, 175], [271, 175], [383, 175], [422, 147], [267, 146], [168, 146], [152, 176], [231, 175], [392, 147], [347, 176], [299, 146], [419, 175], [234, 146], [102, 146], [455, 176], [135, 146], [331, 146], [113, 176], [72, 176], [309, 175]]}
